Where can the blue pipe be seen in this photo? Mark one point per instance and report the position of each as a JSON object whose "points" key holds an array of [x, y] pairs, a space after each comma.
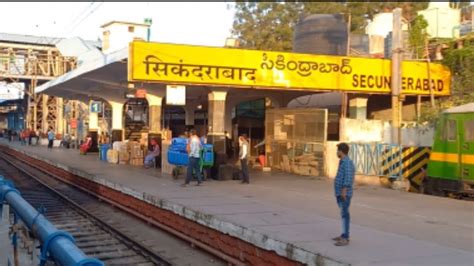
{"points": [[57, 244]]}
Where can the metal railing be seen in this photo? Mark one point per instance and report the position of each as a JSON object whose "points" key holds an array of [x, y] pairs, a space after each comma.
{"points": [[377, 159], [58, 245]]}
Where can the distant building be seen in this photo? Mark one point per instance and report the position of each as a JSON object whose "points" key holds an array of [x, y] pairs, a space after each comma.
{"points": [[381, 25], [378, 30], [116, 35], [467, 21], [443, 21]]}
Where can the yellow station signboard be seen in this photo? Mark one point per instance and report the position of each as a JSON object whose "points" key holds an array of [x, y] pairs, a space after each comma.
{"points": [[198, 65]]}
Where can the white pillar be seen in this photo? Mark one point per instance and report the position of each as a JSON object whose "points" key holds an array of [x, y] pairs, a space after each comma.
{"points": [[117, 115], [358, 108], [217, 103], [93, 121], [154, 112], [93, 129], [60, 115], [117, 120], [217, 117]]}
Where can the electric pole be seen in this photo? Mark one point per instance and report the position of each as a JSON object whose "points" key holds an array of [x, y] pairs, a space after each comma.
{"points": [[397, 56]]}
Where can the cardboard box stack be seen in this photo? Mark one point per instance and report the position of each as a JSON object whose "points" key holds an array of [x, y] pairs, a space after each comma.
{"points": [[306, 164], [124, 156], [112, 156], [144, 139], [136, 153]]}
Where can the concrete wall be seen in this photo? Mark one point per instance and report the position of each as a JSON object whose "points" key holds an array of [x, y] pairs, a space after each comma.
{"points": [[380, 131], [361, 130], [412, 134], [330, 159]]}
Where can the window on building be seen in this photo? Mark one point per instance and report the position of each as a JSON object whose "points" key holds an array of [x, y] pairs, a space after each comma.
{"points": [[131, 29], [451, 130], [469, 130]]}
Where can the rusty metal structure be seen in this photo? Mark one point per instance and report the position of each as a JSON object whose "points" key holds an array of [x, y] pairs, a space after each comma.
{"points": [[35, 60]]}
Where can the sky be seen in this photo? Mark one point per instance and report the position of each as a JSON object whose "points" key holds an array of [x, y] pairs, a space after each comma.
{"points": [[207, 23]]}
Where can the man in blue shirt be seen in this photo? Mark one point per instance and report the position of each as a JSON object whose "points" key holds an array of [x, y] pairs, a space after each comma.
{"points": [[50, 139], [343, 190]]}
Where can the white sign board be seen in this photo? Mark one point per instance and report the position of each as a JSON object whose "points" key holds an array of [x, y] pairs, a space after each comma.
{"points": [[175, 95], [96, 107]]}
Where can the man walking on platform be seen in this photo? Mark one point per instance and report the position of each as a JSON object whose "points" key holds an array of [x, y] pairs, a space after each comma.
{"points": [[243, 156], [343, 190], [50, 138], [194, 150]]}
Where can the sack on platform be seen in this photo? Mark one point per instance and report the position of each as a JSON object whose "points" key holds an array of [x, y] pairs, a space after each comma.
{"points": [[112, 156]]}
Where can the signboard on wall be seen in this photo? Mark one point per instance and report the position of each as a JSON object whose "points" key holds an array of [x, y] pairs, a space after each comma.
{"points": [[175, 95], [96, 107], [240, 68]]}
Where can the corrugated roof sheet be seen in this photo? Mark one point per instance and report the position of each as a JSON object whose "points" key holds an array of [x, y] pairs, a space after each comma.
{"points": [[467, 108], [39, 40]]}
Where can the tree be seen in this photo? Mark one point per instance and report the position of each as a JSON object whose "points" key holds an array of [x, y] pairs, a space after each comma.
{"points": [[269, 25], [461, 63], [265, 25], [418, 36]]}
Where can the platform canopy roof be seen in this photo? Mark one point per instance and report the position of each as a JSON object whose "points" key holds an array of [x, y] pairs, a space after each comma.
{"points": [[466, 108], [102, 76]]}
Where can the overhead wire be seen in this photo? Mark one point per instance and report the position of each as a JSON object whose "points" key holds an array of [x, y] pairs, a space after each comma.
{"points": [[50, 40], [77, 17], [88, 15]]}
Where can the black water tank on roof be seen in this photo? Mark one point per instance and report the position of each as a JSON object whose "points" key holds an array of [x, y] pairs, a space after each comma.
{"points": [[321, 34]]}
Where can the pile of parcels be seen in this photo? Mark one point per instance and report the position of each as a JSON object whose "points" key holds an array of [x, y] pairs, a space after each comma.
{"points": [[127, 152], [306, 164]]}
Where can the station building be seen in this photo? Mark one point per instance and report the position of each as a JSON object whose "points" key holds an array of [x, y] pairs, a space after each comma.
{"points": [[147, 89]]}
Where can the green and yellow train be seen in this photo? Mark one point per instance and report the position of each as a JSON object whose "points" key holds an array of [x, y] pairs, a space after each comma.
{"points": [[451, 165]]}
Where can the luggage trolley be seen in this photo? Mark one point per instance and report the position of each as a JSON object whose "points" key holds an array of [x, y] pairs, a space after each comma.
{"points": [[178, 156], [206, 160]]}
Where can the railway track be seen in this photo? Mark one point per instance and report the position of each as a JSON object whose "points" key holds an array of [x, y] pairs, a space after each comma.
{"points": [[100, 231]]}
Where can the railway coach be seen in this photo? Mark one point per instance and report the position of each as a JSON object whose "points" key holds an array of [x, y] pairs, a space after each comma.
{"points": [[451, 164]]}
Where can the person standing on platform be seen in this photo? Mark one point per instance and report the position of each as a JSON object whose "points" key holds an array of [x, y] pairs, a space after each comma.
{"points": [[50, 138], [30, 135], [102, 138], [22, 137], [152, 155], [194, 151], [243, 156], [343, 191]]}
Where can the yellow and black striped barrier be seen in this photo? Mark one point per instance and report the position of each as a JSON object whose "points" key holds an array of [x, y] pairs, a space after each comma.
{"points": [[406, 163]]}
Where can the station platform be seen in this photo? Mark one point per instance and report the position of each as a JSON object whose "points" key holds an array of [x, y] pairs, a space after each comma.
{"points": [[296, 216]]}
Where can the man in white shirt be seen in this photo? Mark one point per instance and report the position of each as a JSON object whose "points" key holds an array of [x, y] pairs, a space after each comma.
{"points": [[194, 150], [243, 156]]}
